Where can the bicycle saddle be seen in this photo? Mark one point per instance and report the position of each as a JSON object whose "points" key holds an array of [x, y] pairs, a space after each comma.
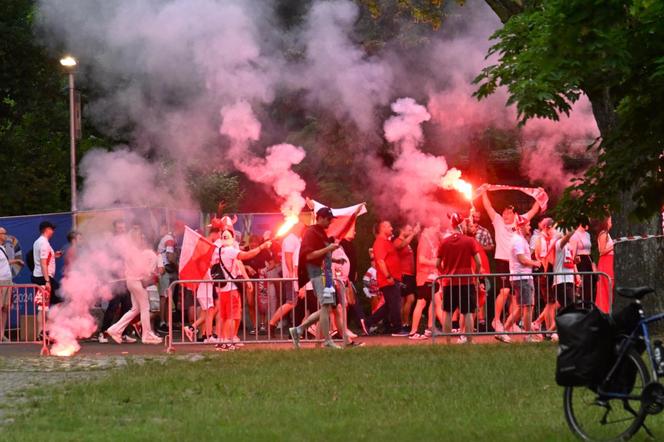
{"points": [[634, 292]]}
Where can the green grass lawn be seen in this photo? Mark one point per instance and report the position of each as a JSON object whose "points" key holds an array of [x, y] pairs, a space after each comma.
{"points": [[450, 393]]}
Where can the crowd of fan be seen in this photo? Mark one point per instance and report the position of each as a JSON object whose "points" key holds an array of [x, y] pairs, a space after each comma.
{"points": [[411, 267]]}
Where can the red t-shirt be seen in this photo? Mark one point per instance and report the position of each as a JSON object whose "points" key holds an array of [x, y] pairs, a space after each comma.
{"points": [[384, 250], [407, 258], [456, 253]]}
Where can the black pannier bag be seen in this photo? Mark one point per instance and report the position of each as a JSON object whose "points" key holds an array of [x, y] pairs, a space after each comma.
{"points": [[624, 323], [585, 348]]}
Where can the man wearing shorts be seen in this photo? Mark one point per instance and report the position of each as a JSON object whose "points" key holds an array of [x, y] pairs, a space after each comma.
{"points": [[456, 254], [426, 274], [315, 258], [504, 227], [564, 263], [521, 279], [206, 298], [407, 257]]}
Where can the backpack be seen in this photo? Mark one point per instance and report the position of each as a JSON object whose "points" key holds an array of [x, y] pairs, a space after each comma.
{"points": [[586, 346]]}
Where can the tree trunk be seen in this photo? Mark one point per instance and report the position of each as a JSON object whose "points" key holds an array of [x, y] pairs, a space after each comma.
{"points": [[505, 9]]}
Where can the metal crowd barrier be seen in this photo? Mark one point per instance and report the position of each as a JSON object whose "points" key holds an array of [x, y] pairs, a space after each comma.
{"points": [[188, 306], [24, 316], [480, 293]]}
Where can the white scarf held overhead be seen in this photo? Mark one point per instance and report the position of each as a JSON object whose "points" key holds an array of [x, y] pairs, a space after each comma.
{"points": [[536, 193]]}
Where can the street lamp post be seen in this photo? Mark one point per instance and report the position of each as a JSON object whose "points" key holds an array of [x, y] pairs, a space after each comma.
{"points": [[69, 63]]}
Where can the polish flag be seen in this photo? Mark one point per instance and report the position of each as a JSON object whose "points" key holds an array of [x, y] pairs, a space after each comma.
{"points": [[344, 221], [195, 257]]}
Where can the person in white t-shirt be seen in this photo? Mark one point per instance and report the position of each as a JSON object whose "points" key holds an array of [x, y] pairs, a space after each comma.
{"points": [[564, 263], [6, 263], [504, 226], [290, 251], [166, 252], [205, 296], [142, 269], [521, 278], [229, 303]]}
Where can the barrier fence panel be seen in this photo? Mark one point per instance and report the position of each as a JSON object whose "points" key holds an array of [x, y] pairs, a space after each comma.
{"points": [[251, 311], [25, 318], [504, 304]]}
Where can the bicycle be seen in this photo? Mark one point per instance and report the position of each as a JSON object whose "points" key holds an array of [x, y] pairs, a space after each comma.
{"points": [[617, 407]]}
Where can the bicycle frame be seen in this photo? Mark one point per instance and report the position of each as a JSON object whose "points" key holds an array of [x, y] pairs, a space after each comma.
{"points": [[642, 328]]}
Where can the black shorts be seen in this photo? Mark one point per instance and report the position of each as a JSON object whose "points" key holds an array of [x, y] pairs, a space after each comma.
{"points": [[424, 291], [410, 285], [564, 293], [502, 282], [55, 286], [463, 297]]}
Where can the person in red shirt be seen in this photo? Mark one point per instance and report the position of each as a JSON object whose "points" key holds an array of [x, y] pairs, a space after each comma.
{"points": [[388, 272], [455, 257], [407, 257]]}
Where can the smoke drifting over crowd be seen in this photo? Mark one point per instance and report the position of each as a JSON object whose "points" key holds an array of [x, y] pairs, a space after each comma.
{"points": [[190, 80]]}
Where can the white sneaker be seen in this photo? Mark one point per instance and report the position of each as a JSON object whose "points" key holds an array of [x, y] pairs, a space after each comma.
{"points": [[212, 340], [189, 332], [497, 325], [116, 338], [536, 326], [294, 333], [102, 339], [237, 341], [554, 337], [455, 331], [504, 338], [350, 334], [532, 338], [515, 328], [128, 339], [331, 344], [462, 339], [149, 338]]}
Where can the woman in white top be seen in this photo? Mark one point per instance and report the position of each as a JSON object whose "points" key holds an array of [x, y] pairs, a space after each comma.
{"points": [[604, 297], [582, 243], [142, 267]]}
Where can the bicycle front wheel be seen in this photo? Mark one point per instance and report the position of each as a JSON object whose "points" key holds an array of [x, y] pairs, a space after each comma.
{"points": [[596, 418]]}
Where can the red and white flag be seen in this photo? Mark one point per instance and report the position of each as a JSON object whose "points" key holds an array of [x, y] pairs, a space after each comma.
{"points": [[344, 219], [195, 257]]}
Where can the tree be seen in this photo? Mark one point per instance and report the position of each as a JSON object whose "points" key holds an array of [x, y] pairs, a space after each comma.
{"points": [[553, 51], [34, 120], [209, 189]]}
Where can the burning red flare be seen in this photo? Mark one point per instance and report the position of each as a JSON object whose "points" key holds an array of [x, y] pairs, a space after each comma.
{"points": [[65, 350], [289, 223], [465, 188]]}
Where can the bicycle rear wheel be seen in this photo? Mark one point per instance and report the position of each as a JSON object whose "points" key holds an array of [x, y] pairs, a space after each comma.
{"points": [[595, 418]]}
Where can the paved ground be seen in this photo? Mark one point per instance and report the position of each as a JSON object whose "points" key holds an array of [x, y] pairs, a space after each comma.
{"points": [[91, 348]]}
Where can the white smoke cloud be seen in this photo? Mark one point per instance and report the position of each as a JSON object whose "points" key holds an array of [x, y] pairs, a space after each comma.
{"points": [[337, 74], [240, 125]]}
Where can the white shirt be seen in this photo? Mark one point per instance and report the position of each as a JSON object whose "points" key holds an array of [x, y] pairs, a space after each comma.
{"points": [[166, 245], [519, 246], [564, 263], [140, 265], [229, 259], [504, 235], [291, 244], [581, 242], [341, 271], [42, 249], [5, 268]]}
